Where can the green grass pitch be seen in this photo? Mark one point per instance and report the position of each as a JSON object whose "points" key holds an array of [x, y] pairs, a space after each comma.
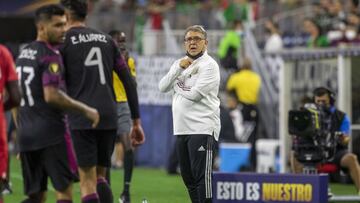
{"points": [[153, 184]]}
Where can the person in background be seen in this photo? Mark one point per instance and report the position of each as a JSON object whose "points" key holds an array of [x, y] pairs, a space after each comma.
{"points": [[274, 42], [337, 122], [230, 46], [246, 85], [316, 37], [9, 98], [124, 118]]}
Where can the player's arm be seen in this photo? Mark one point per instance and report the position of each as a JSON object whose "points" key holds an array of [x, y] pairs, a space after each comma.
{"points": [[53, 95], [345, 130], [207, 80], [230, 85], [14, 96], [131, 63], [14, 113], [121, 69], [60, 99], [11, 80], [130, 87]]}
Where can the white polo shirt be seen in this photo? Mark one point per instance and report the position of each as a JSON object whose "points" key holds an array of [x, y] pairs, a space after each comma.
{"points": [[195, 105]]}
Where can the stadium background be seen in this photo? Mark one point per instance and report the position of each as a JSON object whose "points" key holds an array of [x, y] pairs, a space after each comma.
{"points": [[155, 40]]}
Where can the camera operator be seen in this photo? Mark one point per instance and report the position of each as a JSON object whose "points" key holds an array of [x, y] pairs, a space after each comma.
{"points": [[338, 122]]}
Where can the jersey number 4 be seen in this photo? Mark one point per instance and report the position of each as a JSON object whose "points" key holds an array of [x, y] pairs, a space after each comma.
{"points": [[94, 58], [28, 73]]}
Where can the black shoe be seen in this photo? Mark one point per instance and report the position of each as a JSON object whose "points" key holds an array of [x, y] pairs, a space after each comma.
{"points": [[124, 198], [6, 189]]}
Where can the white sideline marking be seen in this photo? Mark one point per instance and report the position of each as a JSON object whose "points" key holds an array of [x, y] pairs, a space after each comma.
{"points": [[348, 198]]}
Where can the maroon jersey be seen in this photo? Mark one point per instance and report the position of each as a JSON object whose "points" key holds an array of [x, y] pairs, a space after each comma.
{"points": [[40, 124]]}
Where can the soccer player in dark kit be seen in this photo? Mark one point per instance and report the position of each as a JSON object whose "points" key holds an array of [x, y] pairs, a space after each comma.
{"points": [[40, 118], [90, 56]]}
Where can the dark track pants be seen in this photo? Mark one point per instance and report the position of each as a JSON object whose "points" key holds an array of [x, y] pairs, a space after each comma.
{"points": [[195, 154]]}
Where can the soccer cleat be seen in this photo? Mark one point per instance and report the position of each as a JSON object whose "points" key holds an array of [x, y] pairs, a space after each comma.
{"points": [[124, 198], [7, 189]]}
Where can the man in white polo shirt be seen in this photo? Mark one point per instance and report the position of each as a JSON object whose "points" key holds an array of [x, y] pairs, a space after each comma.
{"points": [[194, 81]]}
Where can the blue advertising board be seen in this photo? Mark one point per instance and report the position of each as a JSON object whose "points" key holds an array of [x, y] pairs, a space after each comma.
{"points": [[269, 188]]}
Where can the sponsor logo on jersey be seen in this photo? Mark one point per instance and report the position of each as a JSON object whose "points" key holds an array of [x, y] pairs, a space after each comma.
{"points": [[54, 68]]}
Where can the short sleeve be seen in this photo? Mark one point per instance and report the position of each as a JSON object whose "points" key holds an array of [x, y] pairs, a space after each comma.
{"points": [[52, 71], [345, 125]]}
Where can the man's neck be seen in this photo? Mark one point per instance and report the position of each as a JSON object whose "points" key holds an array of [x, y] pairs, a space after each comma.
{"points": [[41, 38], [196, 56], [76, 24]]}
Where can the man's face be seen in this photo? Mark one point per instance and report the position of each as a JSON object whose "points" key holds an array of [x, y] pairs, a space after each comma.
{"points": [[195, 43], [323, 100], [55, 29], [120, 40]]}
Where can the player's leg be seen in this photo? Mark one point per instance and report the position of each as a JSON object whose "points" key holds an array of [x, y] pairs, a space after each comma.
{"points": [[296, 166], [349, 160], [124, 127], [10, 139], [201, 150], [36, 198], [57, 165], [128, 167], [34, 178], [85, 144], [88, 184], [3, 158], [105, 142], [185, 166], [2, 183], [118, 161], [102, 186], [64, 196]]}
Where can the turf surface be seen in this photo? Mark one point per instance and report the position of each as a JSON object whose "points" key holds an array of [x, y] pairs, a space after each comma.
{"points": [[153, 184]]}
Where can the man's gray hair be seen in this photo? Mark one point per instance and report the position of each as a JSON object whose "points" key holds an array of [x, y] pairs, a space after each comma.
{"points": [[196, 28]]}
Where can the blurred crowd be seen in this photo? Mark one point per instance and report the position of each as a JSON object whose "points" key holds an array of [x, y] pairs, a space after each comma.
{"points": [[181, 13], [326, 23], [334, 22], [282, 23]]}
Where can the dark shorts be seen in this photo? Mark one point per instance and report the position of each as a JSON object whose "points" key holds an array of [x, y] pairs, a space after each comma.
{"points": [[50, 162], [338, 156], [123, 119], [94, 147]]}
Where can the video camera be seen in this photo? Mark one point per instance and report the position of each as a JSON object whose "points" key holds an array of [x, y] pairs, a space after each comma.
{"points": [[313, 141]]}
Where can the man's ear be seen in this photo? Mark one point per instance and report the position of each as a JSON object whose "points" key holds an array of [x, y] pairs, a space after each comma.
{"points": [[40, 27], [206, 44]]}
